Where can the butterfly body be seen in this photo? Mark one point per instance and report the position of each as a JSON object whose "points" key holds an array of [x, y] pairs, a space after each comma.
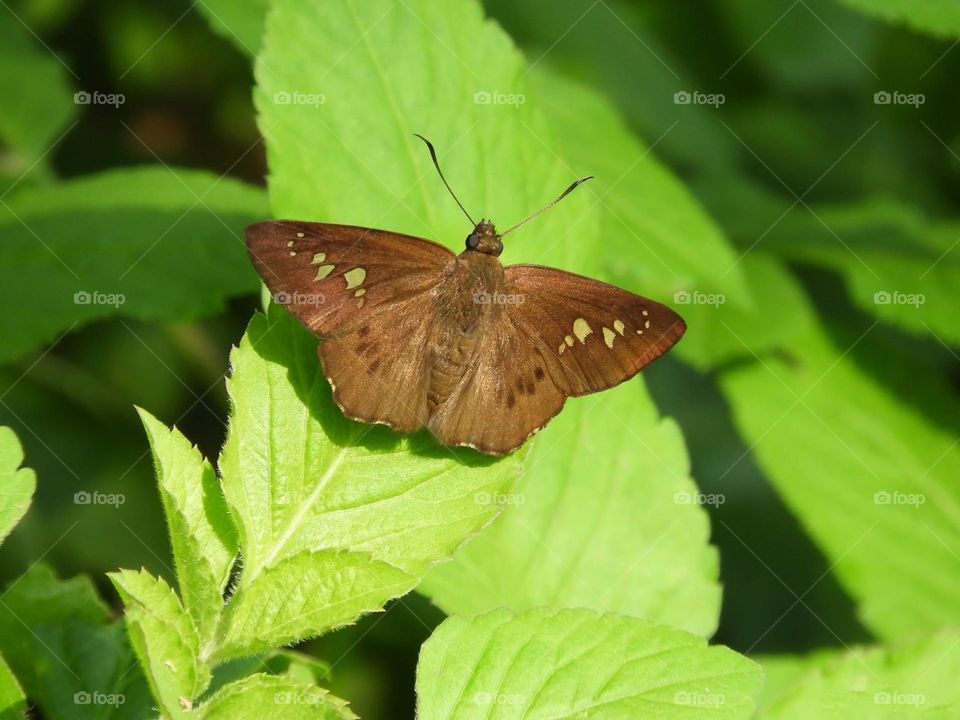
{"points": [[481, 354]]}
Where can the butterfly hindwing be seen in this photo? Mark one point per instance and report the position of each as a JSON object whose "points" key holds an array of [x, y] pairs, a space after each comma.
{"points": [[591, 335], [331, 277]]}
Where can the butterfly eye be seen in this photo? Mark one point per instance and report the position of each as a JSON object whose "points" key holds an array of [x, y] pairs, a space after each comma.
{"points": [[472, 241]]}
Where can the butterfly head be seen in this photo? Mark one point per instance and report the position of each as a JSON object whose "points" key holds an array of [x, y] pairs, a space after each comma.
{"points": [[485, 239]]}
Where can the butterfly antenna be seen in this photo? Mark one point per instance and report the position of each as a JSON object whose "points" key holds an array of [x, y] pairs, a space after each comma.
{"points": [[436, 164], [566, 192]]}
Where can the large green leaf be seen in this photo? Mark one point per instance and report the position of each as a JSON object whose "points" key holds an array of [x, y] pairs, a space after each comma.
{"points": [[937, 17], [73, 662], [577, 664], [16, 483], [334, 517], [201, 532], [605, 517], [913, 679], [36, 100], [148, 243], [872, 480], [165, 639]]}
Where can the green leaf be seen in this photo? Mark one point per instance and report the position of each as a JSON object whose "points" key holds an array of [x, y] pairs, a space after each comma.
{"points": [[239, 21], [260, 696], [148, 243], [574, 663], [165, 639], [334, 517], [898, 265], [873, 481], [937, 17], [201, 532], [905, 680], [72, 661], [340, 95], [605, 517], [16, 483], [12, 701], [36, 100]]}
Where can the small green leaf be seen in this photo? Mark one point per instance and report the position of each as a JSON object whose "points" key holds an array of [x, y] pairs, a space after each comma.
{"points": [[165, 639], [605, 517], [910, 679], [268, 696], [334, 517], [149, 243], [12, 700], [574, 663], [937, 17], [201, 531], [16, 483], [72, 661], [36, 100], [872, 480]]}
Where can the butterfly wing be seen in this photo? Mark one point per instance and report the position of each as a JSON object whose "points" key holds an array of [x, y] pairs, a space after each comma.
{"points": [[591, 335], [563, 335], [369, 295]]}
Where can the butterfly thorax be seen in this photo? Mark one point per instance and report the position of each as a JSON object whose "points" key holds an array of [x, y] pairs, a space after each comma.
{"points": [[467, 305]]}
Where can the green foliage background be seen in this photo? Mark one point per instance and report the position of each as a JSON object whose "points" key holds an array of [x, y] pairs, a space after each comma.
{"points": [[786, 483]]}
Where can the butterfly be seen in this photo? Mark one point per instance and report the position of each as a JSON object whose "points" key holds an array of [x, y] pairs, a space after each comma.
{"points": [[481, 354]]}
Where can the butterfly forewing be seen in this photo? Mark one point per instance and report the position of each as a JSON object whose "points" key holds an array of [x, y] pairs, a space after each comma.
{"points": [[333, 276], [591, 335]]}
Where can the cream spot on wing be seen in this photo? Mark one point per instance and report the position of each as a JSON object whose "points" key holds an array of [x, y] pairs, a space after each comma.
{"points": [[608, 337], [290, 243], [569, 340], [318, 258], [581, 328], [360, 303], [355, 277], [299, 234], [293, 254], [618, 326], [646, 324], [360, 293], [323, 271], [645, 313], [561, 349], [639, 332]]}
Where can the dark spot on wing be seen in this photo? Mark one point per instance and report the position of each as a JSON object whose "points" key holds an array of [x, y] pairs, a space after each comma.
{"points": [[511, 400], [538, 374], [364, 331], [374, 366]]}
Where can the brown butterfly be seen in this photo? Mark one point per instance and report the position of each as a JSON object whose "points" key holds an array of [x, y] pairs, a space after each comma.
{"points": [[481, 354]]}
